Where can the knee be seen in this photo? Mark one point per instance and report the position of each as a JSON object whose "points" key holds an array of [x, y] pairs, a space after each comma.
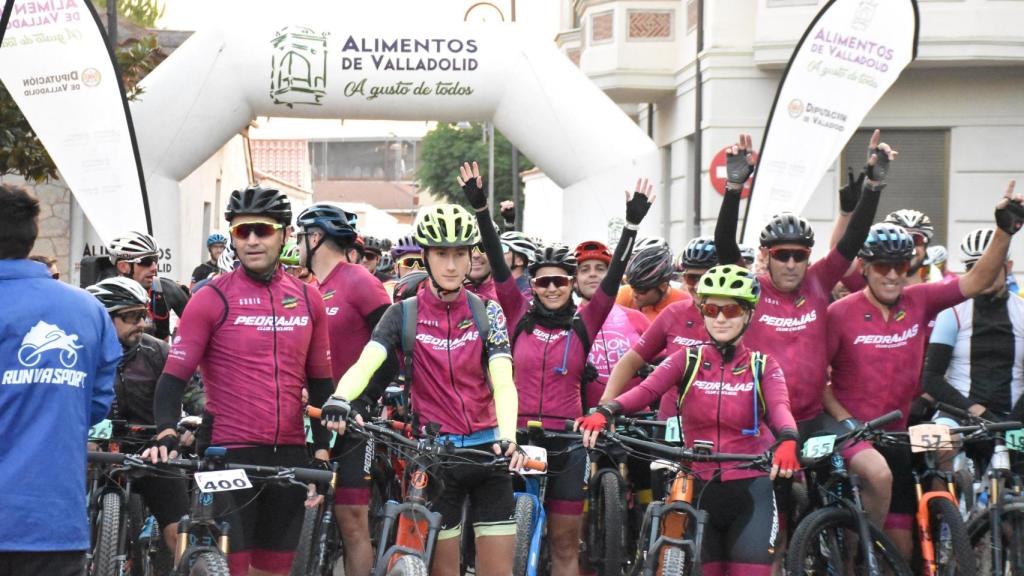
{"points": [[352, 520], [873, 470]]}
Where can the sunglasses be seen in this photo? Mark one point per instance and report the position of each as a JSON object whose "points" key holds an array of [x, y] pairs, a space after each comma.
{"points": [[798, 255], [132, 317], [478, 249], [730, 311], [260, 229], [146, 261], [556, 280], [414, 262], [691, 278], [884, 268]]}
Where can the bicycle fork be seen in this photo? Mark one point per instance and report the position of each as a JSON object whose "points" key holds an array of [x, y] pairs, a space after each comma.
{"points": [[931, 566]]}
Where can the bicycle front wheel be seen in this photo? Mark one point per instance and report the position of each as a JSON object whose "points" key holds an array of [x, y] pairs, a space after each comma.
{"points": [[980, 534], [408, 566], [210, 564], [611, 519], [108, 525], [954, 555], [524, 532], [305, 551], [825, 542], [674, 562]]}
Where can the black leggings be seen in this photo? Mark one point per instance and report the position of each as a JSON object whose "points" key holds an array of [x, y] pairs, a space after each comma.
{"points": [[743, 522]]}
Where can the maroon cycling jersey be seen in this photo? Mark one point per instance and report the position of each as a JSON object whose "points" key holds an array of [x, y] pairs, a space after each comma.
{"points": [[449, 386], [350, 294], [256, 345], [550, 361], [720, 404], [484, 289], [791, 327], [620, 332], [876, 363], [679, 326]]}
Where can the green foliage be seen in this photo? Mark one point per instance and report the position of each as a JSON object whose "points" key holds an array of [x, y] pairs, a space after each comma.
{"points": [[446, 147], [22, 153], [145, 13]]}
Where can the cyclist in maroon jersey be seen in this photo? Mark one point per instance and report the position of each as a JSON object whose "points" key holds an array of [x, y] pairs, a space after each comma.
{"points": [[876, 343], [259, 336]]}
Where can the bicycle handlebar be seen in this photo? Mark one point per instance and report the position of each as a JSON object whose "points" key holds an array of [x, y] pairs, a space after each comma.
{"points": [[679, 453], [134, 461]]}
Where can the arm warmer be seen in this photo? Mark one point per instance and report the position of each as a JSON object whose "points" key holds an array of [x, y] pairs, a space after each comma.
{"points": [[492, 246], [319, 392], [379, 382], [725, 228], [506, 399], [860, 223], [167, 402], [355, 380], [612, 279], [934, 377]]}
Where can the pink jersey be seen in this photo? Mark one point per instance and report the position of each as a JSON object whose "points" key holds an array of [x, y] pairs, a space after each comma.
{"points": [[484, 289], [791, 327], [720, 404], [678, 326], [620, 332], [350, 294], [550, 361], [256, 345], [876, 363]]}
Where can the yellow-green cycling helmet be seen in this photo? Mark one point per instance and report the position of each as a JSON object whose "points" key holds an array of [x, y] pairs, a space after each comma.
{"points": [[730, 281], [290, 254], [445, 225]]}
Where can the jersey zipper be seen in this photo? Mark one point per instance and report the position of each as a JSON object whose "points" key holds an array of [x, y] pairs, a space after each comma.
{"points": [[277, 382], [543, 377], [451, 370]]}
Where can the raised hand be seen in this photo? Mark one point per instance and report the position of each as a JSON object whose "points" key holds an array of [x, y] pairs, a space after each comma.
{"points": [[1010, 210], [879, 157], [473, 185], [849, 195], [639, 202], [508, 211], [739, 162]]}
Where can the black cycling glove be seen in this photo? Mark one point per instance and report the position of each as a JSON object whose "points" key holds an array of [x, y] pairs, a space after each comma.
{"points": [[1010, 218], [737, 167], [880, 170], [637, 208], [476, 195], [849, 195]]}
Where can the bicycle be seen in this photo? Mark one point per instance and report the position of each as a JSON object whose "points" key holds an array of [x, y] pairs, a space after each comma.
{"points": [[1001, 508], [613, 510], [203, 542], [837, 534]]}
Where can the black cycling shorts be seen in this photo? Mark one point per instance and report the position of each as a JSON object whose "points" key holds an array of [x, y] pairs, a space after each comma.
{"points": [[165, 496], [901, 465], [492, 507], [354, 457], [43, 563], [567, 477], [266, 519], [743, 521]]}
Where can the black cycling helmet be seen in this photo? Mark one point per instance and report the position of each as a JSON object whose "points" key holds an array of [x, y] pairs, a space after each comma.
{"points": [[559, 255], [408, 285], [259, 201], [699, 253], [787, 228], [330, 219], [371, 244], [650, 268], [887, 242], [119, 293]]}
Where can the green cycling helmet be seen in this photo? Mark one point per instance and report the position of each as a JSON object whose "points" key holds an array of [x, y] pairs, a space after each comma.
{"points": [[290, 254], [448, 225], [730, 281]]}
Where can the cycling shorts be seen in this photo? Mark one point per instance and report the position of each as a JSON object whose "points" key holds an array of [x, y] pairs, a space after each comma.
{"points": [[567, 477], [901, 465], [48, 563], [353, 455], [266, 519], [743, 521], [492, 508], [165, 496]]}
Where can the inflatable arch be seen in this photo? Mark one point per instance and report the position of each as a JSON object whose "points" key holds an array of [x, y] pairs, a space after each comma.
{"points": [[316, 60]]}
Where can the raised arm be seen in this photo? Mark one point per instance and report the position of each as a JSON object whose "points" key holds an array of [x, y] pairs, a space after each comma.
{"points": [[1009, 218], [739, 165]]}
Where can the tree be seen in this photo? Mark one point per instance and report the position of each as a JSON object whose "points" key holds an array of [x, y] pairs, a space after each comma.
{"points": [[447, 146]]}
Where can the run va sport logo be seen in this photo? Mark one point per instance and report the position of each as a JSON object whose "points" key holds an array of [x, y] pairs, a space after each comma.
{"points": [[47, 341]]}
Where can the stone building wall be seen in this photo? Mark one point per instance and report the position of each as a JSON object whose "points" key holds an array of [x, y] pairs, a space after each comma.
{"points": [[54, 221]]}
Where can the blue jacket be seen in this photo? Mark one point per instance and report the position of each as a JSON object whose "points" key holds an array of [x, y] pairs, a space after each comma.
{"points": [[58, 354]]}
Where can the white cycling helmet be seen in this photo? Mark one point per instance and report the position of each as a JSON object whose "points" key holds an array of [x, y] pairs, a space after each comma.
{"points": [[227, 261], [132, 245], [648, 242], [935, 255], [118, 293], [975, 243]]}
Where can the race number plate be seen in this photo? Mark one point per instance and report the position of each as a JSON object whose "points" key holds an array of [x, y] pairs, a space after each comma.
{"points": [[929, 438], [819, 446], [101, 431], [1015, 440], [534, 453], [222, 481], [672, 433]]}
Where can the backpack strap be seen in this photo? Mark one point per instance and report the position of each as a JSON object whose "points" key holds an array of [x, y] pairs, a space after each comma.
{"points": [[757, 361], [479, 309], [693, 360], [410, 313]]}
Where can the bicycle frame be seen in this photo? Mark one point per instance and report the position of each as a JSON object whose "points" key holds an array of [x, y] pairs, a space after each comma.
{"points": [[409, 524], [668, 524], [928, 561]]}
